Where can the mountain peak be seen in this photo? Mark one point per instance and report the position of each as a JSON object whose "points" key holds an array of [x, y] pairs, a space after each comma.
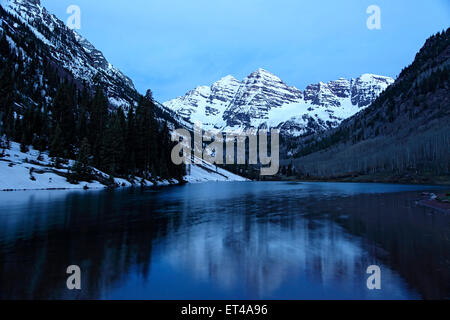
{"points": [[227, 80], [263, 98], [229, 77], [73, 52], [36, 2], [370, 76], [262, 77], [262, 72], [20, 5]]}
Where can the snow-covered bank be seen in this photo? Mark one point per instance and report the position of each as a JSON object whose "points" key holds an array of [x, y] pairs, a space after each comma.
{"points": [[205, 172], [33, 170]]}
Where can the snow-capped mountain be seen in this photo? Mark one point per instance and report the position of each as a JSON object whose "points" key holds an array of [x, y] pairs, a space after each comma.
{"points": [[264, 100], [71, 51]]}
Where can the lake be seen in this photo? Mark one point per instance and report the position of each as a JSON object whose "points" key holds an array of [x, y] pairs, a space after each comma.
{"points": [[246, 240]]}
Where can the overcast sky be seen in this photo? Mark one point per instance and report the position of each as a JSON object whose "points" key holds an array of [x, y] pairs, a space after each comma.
{"points": [[172, 46]]}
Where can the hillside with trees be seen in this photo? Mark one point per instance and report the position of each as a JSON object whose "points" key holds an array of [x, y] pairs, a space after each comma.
{"points": [[45, 106], [404, 136]]}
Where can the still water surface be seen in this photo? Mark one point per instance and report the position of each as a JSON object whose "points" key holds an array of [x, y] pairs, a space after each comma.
{"points": [[254, 240]]}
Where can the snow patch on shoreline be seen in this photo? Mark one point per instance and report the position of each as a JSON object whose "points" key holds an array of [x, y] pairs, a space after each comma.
{"points": [[34, 170], [206, 172]]}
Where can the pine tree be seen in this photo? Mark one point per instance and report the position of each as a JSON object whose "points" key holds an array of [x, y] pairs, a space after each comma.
{"points": [[82, 118], [57, 145], [63, 116], [81, 171], [8, 123], [7, 88], [5, 49], [98, 117], [130, 143], [147, 134], [113, 150]]}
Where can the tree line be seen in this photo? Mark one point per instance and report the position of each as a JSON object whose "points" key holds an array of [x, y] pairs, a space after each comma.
{"points": [[404, 133]]}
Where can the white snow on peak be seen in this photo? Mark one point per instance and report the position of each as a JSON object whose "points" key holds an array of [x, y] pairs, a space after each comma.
{"points": [[262, 75], [263, 99], [370, 77], [226, 80]]}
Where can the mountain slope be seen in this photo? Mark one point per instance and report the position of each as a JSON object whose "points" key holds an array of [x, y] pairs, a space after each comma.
{"points": [[71, 51], [59, 96], [403, 136], [264, 100]]}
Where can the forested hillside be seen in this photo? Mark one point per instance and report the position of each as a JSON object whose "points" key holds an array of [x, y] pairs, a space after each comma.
{"points": [[44, 105], [403, 136]]}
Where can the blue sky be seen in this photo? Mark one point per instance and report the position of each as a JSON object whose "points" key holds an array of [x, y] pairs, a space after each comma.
{"points": [[172, 46]]}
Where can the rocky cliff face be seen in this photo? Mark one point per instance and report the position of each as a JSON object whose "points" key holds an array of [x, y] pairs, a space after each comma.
{"points": [[72, 52], [264, 100]]}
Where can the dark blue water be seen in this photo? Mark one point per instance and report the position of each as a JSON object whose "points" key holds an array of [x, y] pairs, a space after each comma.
{"points": [[256, 240]]}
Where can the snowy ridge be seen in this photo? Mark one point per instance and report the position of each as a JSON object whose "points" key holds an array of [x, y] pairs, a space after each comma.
{"points": [[264, 100], [73, 52]]}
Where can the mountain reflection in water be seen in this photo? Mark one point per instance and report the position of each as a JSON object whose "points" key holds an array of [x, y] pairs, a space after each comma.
{"points": [[224, 241]]}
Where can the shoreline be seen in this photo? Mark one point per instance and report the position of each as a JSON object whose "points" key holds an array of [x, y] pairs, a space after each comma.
{"points": [[430, 181], [169, 184], [35, 170]]}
